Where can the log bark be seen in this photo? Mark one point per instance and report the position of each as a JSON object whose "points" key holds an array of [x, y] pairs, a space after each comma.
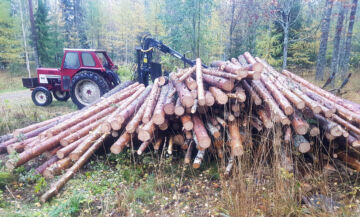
{"points": [[253, 95], [46, 164], [85, 145], [184, 94], [191, 83], [231, 68], [300, 126], [236, 141], [136, 120], [147, 131], [198, 159], [301, 144], [287, 136], [218, 73], [142, 147], [179, 109], [209, 99], [219, 82], [158, 143], [187, 122], [220, 97], [213, 130], [281, 100], [120, 144], [57, 167], [153, 98], [187, 73], [125, 93], [69, 173], [159, 114], [65, 151], [203, 138], [164, 126], [200, 84], [329, 126], [187, 159]]}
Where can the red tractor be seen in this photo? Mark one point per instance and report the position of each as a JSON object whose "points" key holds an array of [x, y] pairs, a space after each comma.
{"points": [[85, 75]]}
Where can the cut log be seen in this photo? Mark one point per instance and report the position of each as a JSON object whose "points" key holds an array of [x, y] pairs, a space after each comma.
{"points": [[147, 131], [57, 167], [170, 145], [198, 159], [126, 113], [213, 130], [184, 94], [265, 119], [153, 98], [314, 131], [46, 164], [159, 114], [194, 107], [231, 68], [300, 126], [164, 126], [191, 83], [63, 152], [203, 138], [281, 100], [352, 162], [179, 109], [142, 147], [253, 95], [120, 144], [301, 144], [220, 97], [187, 159], [209, 99], [82, 147], [187, 73], [329, 126], [219, 82], [200, 84], [219, 73], [158, 143], [187, 122], [69, 173], [236, 141], [136, 120], [125, 93], [287, 136]]}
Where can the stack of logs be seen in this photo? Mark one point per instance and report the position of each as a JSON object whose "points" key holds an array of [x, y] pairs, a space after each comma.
{"points": [[220, 110]]}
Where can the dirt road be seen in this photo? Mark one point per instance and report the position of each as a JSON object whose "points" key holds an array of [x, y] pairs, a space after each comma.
{"points": [[20, 96]]}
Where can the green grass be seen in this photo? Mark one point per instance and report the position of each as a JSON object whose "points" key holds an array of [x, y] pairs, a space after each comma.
{"points": [[10, 83]]}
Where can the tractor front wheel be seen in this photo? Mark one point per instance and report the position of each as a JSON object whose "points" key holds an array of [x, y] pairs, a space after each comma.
{"points": [[41, 96], [86, 87], [61, 95]]}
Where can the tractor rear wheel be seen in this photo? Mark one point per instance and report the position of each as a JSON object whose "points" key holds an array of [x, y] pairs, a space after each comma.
{"points": [[61, 95], [86, 87], [41, 96]]}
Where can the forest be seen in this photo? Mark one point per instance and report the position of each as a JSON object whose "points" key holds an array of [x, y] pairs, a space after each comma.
{"points": [[319, 36]]}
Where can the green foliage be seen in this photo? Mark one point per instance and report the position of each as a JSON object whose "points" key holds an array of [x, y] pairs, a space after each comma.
{"points": [[70, 207], [10, 44], [125, 72], [5, 178], [40, 184], [42, 29]]}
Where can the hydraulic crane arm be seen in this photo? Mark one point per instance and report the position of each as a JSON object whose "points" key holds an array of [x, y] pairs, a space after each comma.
{"points": [[150, 43]]}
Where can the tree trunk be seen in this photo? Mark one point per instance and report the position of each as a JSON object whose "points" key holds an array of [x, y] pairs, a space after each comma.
{"points": [[345, 65], [24, 39], [34, 33], [337, 38], [325, 28], [286, 43]]}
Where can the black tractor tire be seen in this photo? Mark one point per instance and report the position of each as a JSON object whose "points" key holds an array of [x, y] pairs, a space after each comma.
{"points": [[86, 87], [41, 96], [62, 96]]}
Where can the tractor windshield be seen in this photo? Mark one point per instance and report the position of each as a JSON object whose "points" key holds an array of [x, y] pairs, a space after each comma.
{"points": [[103, 60]]}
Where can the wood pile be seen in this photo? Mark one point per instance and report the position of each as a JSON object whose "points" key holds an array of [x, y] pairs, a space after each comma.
{"points": [[221, 110]]}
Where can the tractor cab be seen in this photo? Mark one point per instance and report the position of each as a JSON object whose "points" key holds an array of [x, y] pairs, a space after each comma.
{"points": [[85, 75]]}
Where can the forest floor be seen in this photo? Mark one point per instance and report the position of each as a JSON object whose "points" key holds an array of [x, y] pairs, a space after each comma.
{"points": [[162, 185]]}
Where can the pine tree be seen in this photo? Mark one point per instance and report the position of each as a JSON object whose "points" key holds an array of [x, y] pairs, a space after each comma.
{"points": [[42, 29], [10, 45]]}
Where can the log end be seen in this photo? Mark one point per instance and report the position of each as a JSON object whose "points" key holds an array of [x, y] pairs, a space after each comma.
{"points": [[115, 125], [10, 164], [304, 147], [179, 111], [116, 149]]}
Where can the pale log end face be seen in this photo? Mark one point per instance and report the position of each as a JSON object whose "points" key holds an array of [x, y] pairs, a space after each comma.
{"points": [[115, 149], [301, 130], [115, 125], [304, 147], [300, 105]]}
